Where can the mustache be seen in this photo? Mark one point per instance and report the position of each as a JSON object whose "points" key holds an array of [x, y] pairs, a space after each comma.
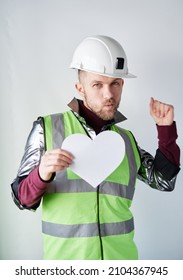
{"points": [[109, 102]]}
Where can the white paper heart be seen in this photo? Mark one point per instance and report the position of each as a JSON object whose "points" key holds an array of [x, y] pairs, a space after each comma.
{"points": [[95, 160]]}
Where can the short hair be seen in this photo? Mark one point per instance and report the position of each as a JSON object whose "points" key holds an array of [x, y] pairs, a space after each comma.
{"points": [[80, 74]]}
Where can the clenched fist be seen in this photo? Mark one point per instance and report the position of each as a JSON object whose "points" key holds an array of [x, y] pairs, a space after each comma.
{"points": [[162, 113]]}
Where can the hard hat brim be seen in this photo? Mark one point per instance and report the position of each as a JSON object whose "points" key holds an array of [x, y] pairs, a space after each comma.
{"points": [[114, 75]]}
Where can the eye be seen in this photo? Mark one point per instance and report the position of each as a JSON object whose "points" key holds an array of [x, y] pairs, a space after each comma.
{"points": [[97, 85], [115, 83]]}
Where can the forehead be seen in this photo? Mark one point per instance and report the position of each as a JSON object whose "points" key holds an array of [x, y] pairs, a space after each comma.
{"points": [[93, 77]]}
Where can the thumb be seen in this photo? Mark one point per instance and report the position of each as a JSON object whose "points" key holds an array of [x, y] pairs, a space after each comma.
{"points": [[151, 104]]}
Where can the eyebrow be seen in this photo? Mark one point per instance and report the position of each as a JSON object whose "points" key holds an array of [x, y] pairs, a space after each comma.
{"points": [[99, 81]]}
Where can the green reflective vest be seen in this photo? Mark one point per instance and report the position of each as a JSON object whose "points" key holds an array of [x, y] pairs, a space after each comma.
{"points": [[80, 222]]}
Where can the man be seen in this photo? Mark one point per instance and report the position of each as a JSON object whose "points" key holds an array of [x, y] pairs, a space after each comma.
{"points": [[79, 221]]}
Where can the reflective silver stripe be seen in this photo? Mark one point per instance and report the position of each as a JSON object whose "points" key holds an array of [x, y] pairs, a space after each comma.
{"points": [[87, 230], [69, 231], [63, 185], [131, 158], [57, 130], [117, 190], [117, 228]]}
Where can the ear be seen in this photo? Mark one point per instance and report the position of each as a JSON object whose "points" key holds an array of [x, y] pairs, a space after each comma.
{"points": [[80, 89]]}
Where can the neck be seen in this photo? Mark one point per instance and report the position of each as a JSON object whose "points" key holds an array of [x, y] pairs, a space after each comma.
{"points": [[91, 118]]}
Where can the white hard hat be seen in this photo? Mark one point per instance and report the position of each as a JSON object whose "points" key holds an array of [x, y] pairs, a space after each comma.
{"points": [[102, 55]]}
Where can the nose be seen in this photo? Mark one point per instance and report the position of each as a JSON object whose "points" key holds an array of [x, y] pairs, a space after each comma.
{"points": [[107, 93]]}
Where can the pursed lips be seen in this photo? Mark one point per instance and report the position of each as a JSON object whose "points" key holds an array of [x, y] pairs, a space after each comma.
{"points": [[109, 105]]}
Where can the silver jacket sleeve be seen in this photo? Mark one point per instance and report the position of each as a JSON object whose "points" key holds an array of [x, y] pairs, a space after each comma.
{"points": [[34, 149], [152, 176]]}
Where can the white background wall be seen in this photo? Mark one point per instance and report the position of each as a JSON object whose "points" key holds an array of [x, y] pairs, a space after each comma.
{"points": [[37, 39]]}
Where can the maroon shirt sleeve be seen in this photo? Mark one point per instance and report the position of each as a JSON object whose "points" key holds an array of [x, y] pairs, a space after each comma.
{"points": [[32, 188], [167, 136]]}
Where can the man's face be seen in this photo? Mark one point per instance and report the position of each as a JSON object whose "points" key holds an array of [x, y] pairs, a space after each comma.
{"points": [[100, 94]]}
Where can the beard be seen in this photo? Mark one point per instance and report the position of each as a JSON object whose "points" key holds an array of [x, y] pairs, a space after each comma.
{"points": [[105, 111]]}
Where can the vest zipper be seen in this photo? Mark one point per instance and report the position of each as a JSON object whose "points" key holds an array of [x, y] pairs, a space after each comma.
{"points": [[98, 222]]}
